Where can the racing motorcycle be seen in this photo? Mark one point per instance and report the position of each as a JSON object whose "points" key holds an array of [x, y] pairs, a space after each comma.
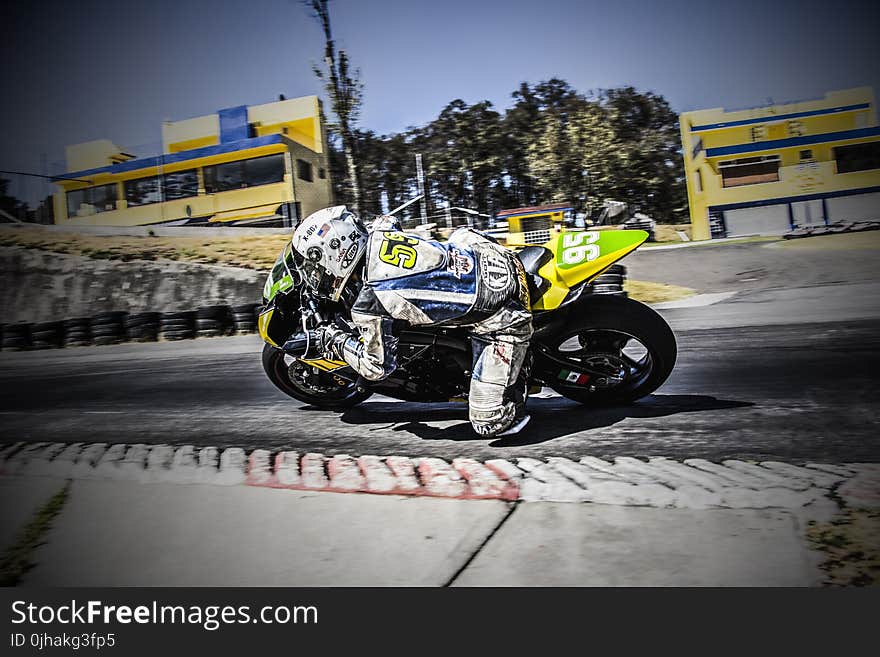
{"points": [[591, 342]]}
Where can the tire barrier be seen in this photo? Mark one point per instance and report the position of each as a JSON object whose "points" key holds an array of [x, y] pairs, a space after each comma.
{"points": [[108, 328], [178, 325], [16, 337], [610, 281], [213, 321], [77, 332], [244, 317], [116, 327], [48, 335], [143, 327]]}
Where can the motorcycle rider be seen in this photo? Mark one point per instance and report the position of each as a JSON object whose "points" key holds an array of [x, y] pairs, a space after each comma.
{"points": [[469, 280]]}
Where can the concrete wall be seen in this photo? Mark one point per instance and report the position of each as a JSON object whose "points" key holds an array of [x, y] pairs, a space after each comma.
{"points": [[38, 286]]}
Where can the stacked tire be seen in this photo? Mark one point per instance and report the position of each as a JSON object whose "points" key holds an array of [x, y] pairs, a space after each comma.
{"points": [[610, 281], [108, 328], [244, 318], [48, 335], [143, 327], [16, 337], [212, 321], [77, 332], [178, 325]]}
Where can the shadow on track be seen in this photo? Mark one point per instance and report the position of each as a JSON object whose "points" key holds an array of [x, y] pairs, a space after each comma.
{"points": [[551, 418]]}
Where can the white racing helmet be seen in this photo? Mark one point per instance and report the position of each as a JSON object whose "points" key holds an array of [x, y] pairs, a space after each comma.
{"points": [[327, 247]]}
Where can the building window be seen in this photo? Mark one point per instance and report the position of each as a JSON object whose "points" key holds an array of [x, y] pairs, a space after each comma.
{"points": [[142, 191], [749, 171], [796, 129], [180, 184], [224, 177], [857, 157], [806, 155], [322, 173], [244, 173], [264, 170], [304, 170], [91, 200], [698, 180]]}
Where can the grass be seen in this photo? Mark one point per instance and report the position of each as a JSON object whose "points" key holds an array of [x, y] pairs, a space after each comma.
{"points": [[741, 240], [251, 252], [851, 545], [16, 560], [669, 232], [649, 292]]}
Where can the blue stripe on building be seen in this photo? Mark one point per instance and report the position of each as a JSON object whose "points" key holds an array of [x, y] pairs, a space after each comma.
{"points": [[780, 117], [776, 144], [182, 156], [233, 124]]}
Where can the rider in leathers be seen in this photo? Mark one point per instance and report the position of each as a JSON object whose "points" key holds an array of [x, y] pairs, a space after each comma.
{"points": [[468, 281]]}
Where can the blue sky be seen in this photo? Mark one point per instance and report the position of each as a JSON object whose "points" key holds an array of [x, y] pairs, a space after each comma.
{"points": [[76, 71]]}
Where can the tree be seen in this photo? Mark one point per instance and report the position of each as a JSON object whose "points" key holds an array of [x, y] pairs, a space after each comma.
{"points": [[553, 144], [462, 153], [345, 90], [574, 159], [651, 178]]}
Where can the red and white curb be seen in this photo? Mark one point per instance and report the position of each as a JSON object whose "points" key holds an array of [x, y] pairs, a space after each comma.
{"points": [[655, 482]]}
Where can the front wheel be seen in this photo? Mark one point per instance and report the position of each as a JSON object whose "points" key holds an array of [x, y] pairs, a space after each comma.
{"points": [[611, 351], [310, 385]]}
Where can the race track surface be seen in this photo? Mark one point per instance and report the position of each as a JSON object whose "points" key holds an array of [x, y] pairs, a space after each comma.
{"points": [[787, 374]]}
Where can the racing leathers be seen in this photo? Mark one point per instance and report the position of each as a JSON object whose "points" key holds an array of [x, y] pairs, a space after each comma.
{"points": [[468, 281]]}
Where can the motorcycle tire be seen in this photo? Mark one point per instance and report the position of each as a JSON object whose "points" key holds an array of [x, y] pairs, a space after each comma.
{"points": [[334, 398], [604, 318]]}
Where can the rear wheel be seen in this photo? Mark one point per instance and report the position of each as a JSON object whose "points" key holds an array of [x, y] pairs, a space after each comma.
{"points": [[615, 351], [310, 385]]}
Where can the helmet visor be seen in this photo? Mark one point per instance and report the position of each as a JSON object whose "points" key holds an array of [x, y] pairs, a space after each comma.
{"points": [[315, 275]]}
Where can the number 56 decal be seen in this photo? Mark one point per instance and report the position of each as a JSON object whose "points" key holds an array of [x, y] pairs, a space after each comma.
{"points": [[576, 248]]}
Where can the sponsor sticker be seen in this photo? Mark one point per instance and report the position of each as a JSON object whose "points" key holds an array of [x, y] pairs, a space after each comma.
{"points": [[459, 263], [495, 270], [349, 255]]}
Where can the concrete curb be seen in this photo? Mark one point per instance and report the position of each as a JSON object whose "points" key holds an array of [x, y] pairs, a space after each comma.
{"points": [[658, 482]]}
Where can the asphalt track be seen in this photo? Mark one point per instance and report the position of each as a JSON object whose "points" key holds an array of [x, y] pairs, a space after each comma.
{"points": [[783, 373]]}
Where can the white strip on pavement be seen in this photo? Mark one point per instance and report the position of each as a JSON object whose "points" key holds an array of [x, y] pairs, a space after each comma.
{"points": [[695, 301]]}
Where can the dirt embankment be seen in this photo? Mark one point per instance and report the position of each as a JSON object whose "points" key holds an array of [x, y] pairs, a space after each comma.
{"points": [[37, 286]]}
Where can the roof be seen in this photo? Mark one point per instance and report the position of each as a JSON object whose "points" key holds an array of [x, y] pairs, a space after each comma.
{"points": [[536, 209]]}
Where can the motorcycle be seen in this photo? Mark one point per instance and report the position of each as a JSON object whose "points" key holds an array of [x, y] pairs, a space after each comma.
{"points": [[591, 343]]}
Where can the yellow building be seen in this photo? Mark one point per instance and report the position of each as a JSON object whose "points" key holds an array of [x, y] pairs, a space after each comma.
{"points": [[255, 165], [770, 169], [536, 224]]}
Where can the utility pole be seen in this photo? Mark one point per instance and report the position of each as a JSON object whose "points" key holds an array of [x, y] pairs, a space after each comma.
{"points": [[420, 175]]}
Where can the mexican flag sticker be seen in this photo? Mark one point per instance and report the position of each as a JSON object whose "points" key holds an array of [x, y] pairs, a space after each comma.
{"points": [[577, 378]]}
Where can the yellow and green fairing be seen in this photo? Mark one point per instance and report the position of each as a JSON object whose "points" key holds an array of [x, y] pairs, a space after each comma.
{"points": [[579, 256], [280, 279]]}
